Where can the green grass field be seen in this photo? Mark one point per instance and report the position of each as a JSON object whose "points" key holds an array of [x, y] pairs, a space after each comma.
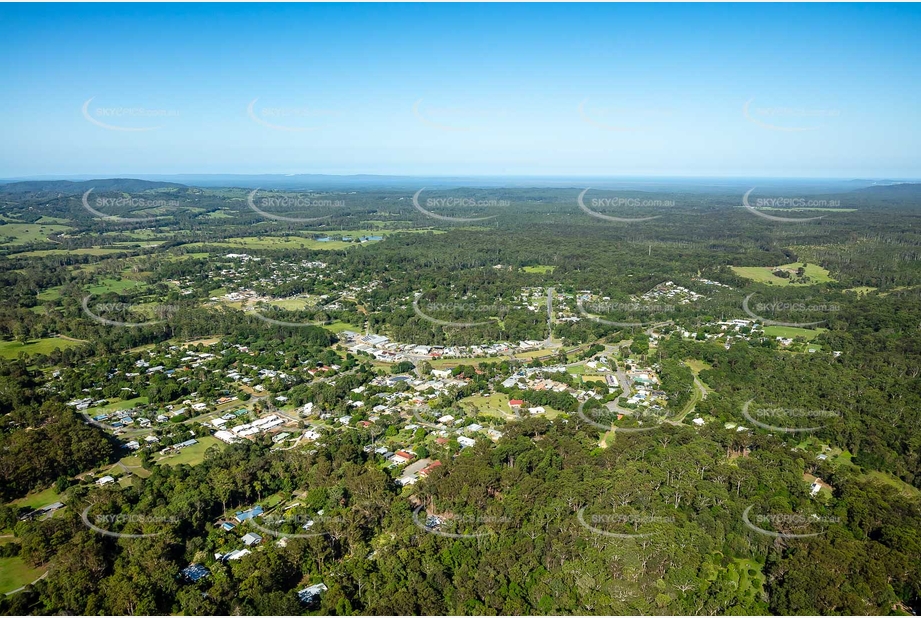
{"points": [[765, 274], [338, 327], [791, 332], [11, 349], [697, 365], [114, 285], [540, 269], [293, 304], [15, 573], [194, 454], [904, 488], [861, 290], [50, 294], [450, 363], [54, 220], [22, 233], [38, 499], [496, 404], [85, 251], [118, 405]]}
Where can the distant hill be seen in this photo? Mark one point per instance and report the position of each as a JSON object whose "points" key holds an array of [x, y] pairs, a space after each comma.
{"points": [[903, 190], [67, 187]]}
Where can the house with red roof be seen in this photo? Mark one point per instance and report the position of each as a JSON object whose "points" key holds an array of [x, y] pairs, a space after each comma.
{"points": [[429, 468]]}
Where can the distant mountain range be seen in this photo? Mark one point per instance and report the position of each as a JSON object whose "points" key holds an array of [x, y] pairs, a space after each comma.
{"points": [[68, 187]]}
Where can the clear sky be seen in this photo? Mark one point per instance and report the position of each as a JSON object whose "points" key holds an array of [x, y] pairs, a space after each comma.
{"points": [[678, 90]]}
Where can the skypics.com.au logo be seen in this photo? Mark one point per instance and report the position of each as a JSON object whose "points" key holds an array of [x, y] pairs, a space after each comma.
{"points": [[291, 202], [612, 414], [613, 524], [786, 308], [787, 119], [457, 119], [792, 525], [465, 308], [787, 204], [621, 119], [160, 312], [590, 310], [789, 417], [103, 524], [289, 119], [457, 202], [299, 526], [125, 117], [448, 526], [259, 314], [620, 202], [136, 203]]}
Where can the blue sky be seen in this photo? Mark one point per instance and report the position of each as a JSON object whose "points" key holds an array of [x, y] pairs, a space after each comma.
{"points": [[483, 89]]}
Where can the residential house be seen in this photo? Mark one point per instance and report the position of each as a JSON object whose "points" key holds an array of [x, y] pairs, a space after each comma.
{"points": [[311, 594], [242, 516], [195, 572], [251, 538]]}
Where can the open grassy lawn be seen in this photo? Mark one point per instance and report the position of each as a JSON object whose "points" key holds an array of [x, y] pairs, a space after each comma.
{"points": [[11, 349], [904, 488], [207, 341], [531, 354], [593, 379], [133, 463], [82, 251], [50, 294], [118, 404], [38, 499], [338, 327], [177, 257], [114, 285], [495, 404], [540, 269], [765, 274], [697, 365], [15, 573], [192, 455], [55, 220], [293, 304], [21, 233], [792, 331], [748, 576], [861, 290], [839, 457]]}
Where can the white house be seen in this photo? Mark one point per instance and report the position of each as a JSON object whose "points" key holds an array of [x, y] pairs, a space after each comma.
{"points": [[225, 436]]}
